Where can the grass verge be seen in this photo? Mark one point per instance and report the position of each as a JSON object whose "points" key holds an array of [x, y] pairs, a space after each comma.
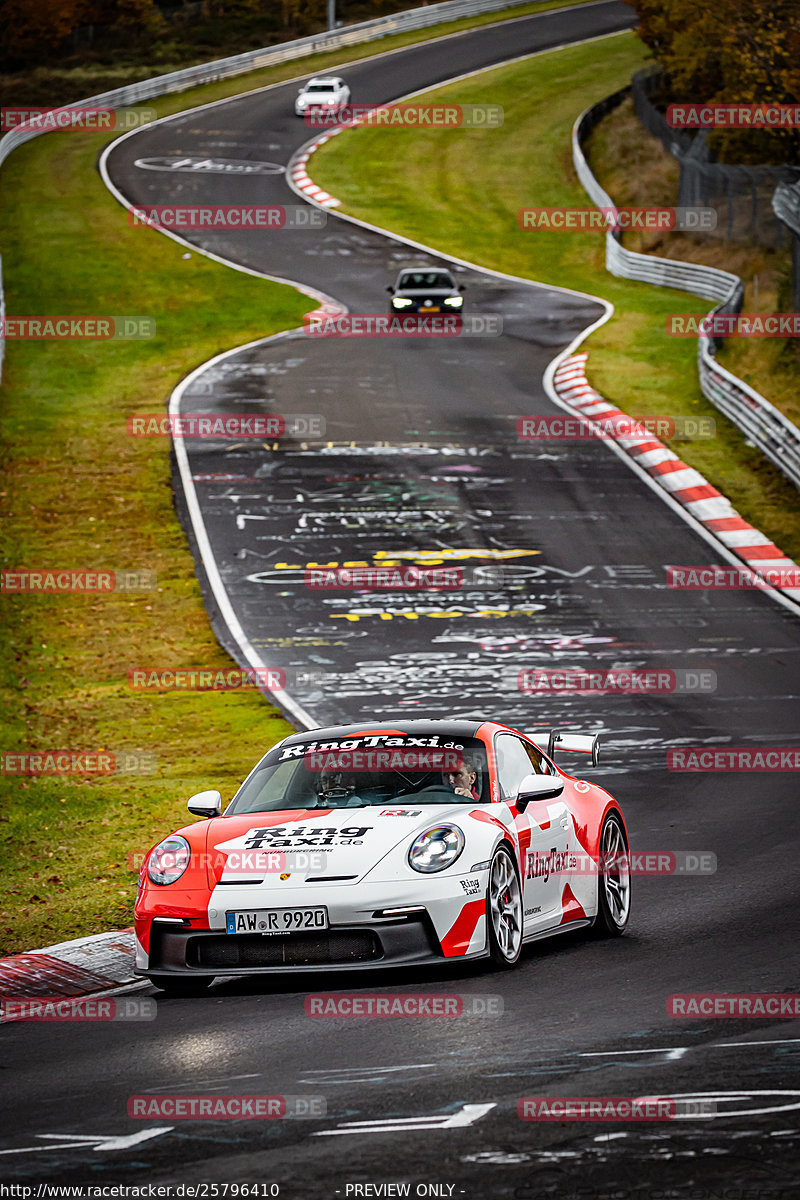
{"points": [[423, 186], [78, 492]]}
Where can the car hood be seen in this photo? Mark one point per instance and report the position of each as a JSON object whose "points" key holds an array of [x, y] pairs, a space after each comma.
{"points": [[344, 843]]}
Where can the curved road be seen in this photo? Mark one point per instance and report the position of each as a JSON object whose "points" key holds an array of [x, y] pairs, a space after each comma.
{"points": [[423, 457]]}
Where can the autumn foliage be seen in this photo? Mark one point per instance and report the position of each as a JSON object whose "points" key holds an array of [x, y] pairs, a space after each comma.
{"points": [[729, 51]]}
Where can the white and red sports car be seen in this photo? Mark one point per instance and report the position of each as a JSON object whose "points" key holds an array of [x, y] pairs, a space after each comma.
{"points": [[414, 842]]}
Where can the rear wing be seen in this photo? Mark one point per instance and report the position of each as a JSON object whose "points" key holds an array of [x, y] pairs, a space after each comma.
{"points": [[574, 743]]}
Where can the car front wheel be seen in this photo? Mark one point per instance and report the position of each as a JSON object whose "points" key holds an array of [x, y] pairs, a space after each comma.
{"points": [[504, 910], [613, 880]]}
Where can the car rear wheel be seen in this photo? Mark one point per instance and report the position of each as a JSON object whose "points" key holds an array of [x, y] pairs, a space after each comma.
{"points": [[504, 910], [613, 880], [182, 985]]}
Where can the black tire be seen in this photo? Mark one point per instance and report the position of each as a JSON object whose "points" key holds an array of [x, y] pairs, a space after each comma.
{"points": [[182, 985], [613, 886], [504, 910]]}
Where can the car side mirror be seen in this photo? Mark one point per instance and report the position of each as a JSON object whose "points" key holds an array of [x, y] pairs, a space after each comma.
{"points": [[390, 290], [538, 787], [205, 804], [462, 287]]}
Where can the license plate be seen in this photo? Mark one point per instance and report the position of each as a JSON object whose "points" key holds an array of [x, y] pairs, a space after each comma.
{"points": [[276, 920], [429, 308]]}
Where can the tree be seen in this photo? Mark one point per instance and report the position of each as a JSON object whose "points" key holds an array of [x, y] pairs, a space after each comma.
{"points": [[731, 51]]}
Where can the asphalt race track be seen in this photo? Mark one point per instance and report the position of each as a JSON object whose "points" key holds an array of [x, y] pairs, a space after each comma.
{"points": [[567, 551]]}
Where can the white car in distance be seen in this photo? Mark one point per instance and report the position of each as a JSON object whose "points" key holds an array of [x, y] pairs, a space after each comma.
{"points": [[323, 93]]}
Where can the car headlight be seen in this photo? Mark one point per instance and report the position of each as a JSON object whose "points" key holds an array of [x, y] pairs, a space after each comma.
{"points": [[301, 101], [454, 301], [436, 848], [169, 859], [401, 302]]}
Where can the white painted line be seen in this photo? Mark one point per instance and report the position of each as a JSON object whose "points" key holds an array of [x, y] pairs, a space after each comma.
{"points": [[297, 713], [467, 1115], [684, 1049], [82, 1141]]}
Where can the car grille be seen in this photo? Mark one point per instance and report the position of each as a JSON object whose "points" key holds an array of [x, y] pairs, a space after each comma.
{"points": [[303, 949]]}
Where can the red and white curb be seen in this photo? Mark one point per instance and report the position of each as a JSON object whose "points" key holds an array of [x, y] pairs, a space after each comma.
{"points": [[684, 484], [299, 176], [300, 181], [81, 967]]}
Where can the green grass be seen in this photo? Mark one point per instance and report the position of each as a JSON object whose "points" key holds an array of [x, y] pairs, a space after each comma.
{"points": [[424, 186], [78, 491]]}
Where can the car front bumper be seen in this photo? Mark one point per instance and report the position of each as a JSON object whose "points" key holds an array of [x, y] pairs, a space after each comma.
{"points": [[448, 925], [406, 942]]}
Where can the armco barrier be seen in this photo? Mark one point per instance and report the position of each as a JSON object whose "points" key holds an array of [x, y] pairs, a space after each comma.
{"points": [[253, 60], [760, 421], [786, 204]]}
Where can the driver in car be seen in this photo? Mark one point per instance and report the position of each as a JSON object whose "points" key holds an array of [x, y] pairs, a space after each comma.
{"points": [[336, 785], [463, 780]]}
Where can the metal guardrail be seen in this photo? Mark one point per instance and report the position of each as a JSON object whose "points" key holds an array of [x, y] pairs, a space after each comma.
{"points": [[740, 193], [760, 421], [252, 60], [786, 205]]}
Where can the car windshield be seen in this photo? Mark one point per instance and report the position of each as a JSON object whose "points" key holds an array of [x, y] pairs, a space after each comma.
{"points": [[426, 279], [321, 87], [358, 772]]}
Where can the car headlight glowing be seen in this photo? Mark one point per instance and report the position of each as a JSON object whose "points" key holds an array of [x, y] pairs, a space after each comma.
{"points": [[454, 301], [401, 302], [436, 848], [169, 859]]}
